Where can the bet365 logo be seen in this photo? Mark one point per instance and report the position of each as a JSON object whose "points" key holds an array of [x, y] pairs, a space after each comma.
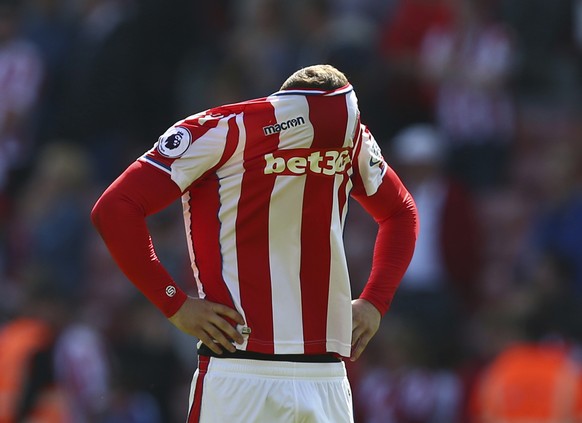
{"points": [[306, 160]]}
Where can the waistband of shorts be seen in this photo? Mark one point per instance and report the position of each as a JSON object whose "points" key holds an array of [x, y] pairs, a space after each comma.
{"points": [[275, 369], [251, 355]]}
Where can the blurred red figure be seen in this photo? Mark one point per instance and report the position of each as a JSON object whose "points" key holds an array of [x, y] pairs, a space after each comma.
{"points": [[400, 47], [441, 284], [448, 252], [469, 63]]}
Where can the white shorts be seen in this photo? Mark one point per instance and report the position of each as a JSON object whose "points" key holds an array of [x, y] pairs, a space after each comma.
{"points": [[256, 391]]}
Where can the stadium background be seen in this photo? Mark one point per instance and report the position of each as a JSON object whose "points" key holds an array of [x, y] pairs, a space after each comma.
{"points": [[99, 80]]}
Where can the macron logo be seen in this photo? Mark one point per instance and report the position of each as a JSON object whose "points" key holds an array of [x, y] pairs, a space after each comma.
{"points": [[278, 127]]}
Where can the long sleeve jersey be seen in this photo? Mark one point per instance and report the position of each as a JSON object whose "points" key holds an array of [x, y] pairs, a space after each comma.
{"points": [[265, 185]]}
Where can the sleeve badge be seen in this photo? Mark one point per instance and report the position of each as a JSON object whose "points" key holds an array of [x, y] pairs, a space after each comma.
{"points": [[174, 142]]}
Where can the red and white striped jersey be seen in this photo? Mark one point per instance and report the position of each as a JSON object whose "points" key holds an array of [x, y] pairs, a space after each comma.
{"points": [[265, 186]]}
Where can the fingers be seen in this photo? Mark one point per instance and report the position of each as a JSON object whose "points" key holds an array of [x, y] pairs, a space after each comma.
{"points": [[224, 328], [220, 332], [228, 312], [365, 323], [357, 333], [357, 348], [359, 344], [208, 322], [218, 340], [209, 342]]}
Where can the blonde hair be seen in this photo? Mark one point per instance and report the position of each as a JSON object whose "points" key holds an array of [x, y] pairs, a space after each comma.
{"points": [[323, 77]]}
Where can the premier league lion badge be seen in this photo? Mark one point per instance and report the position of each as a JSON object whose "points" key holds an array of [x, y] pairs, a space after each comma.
{"points": [[174, 142]]}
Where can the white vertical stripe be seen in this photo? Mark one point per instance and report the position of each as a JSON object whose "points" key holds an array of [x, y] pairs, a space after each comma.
{"points": [[291, 107], [352, 107], [286, 263], [284, 237], [339, 325], [188, 227], [230, 177]]}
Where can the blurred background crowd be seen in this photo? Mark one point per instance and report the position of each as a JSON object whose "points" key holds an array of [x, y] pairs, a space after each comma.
{"points": [[477, 105]]}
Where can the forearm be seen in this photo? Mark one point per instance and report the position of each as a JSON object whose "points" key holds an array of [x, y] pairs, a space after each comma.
{"points": [[393, 251], [393, 208], [119, 216]]}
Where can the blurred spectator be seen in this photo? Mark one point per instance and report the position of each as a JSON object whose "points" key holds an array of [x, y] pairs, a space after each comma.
{"points": [[344, 33], [369, 9], [50, 225], [149, 372], [28, 388], [21, 73], [351, 46], [135, 408], [83, 370], [408, 97], [525, 363], [50, 26], [312, 29], [99, 100], [53, 369], [556, 229], [534, 382], [546, 35], [441, 281], [470, 63], [503, 216], [207, 73], [554, 309], [395, 384], [260, 45]]}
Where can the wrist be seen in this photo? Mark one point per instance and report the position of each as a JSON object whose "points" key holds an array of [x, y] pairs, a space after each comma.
{"points": [[174, 300]]}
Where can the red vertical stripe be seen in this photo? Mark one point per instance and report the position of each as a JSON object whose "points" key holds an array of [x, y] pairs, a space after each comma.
{"points": [[205, 236], [194, 414], [328, 116], [205, 228], [252, 229]]}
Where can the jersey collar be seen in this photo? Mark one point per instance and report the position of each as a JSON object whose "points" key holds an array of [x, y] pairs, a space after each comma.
{"points": [[339, 91]]}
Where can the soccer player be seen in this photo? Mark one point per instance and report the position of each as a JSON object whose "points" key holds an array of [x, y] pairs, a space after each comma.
{"points": [[265, 186]]}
